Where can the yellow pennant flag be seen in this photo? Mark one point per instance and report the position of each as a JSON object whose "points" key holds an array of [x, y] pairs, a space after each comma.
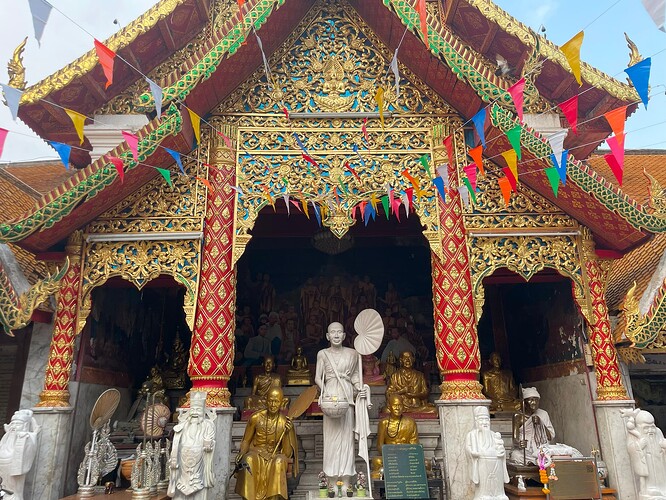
{"points": [[571, 51], [379, 97], [78, 120], [196, 124], [511, 161]]}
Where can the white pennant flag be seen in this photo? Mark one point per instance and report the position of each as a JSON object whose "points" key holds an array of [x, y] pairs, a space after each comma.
{"points": [[396, 72], [405, 201], [13, 97], [156, 90], [40, 10], [657, 11], [263, 56], [286, 202], [443, 172], [464, 194], [557, 143]]}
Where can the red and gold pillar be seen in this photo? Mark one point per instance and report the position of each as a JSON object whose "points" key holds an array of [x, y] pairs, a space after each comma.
{"points": [[456, 338], [61, 352], [607, 369], [212, 349]]}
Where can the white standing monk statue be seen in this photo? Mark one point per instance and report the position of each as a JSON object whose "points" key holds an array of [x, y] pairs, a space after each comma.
{"points": [[18, 448], [191, 461], [533, 432], [339, 380], [647, 451], [486, 451]]}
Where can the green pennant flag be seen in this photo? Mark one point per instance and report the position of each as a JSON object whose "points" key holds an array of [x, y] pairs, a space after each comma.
{"points": [[343, 186], [553, 178], [424, 162], [469, 188], [166, 174], [385, 204], [514, 139]]}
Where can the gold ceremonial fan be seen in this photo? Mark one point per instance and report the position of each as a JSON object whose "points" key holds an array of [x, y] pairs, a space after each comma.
{"points": [[104, 408]]}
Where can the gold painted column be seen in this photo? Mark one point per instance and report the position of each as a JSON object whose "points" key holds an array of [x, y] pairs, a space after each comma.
{"points": [[212, 350], [607, 369], [61, 352]]}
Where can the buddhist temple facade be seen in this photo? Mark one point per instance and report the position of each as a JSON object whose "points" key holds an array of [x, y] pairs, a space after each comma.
{"points": [[310, 184]]}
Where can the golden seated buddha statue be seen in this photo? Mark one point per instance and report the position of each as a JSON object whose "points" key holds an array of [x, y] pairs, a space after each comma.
{"points": [[299, 373]]}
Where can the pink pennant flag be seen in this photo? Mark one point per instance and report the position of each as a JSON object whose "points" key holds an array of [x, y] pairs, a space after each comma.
{"points": [[118, 163], [3, 136], [395, 207], [470, 172], [133, 143], [570, 110], [364, 129], [616, 145], [505, 187], [227, 141], [516, 91], [448, 144], [615, 167], [477, 155], [616, 119]]}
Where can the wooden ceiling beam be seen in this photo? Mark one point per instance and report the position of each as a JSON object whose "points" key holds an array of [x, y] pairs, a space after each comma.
{"points": [[450, 9], [94, 86], [167, 36], [488, 40]]}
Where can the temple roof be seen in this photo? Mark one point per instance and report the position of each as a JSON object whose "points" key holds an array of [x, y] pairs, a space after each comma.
{"points": [[458, 64]]}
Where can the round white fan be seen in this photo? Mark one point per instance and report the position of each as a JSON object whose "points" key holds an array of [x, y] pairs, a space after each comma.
{"points": [[370, 329]]}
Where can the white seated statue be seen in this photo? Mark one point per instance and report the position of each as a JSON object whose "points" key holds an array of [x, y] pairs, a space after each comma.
{"points": [[486, 450], [18, 448], [647, 451], [533, 432]]}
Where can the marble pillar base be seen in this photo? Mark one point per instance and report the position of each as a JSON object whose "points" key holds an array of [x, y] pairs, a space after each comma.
{"points": [[457, 419], [221, 456], [613, 436], [44, 481]]}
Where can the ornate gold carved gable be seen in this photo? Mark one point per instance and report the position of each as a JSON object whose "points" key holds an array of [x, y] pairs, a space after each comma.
{"points": [[332, 62]]}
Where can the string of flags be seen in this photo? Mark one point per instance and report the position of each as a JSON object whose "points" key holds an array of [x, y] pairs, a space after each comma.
{"points": [[638, 74]]}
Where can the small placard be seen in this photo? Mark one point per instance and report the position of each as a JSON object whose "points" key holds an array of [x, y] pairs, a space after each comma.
{"points": [[576, 478], [404, 471]]}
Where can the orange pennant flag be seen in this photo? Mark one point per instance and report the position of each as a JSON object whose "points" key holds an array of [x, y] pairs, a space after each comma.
{"points": [[106, 57], [477, 155], [78, 120], [305, 206], [423, 16], [196, 124], [505, 186], [571, 51], [206, 183], [511, 162], [379, 97], [616, 118]]}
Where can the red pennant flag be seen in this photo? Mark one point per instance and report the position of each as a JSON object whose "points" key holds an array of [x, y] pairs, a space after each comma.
{"points": [[470, 172], [505, 186], [364, 129], [133, 143], [353, 172], [423, 16], [106, 58], [616, 119], [3, 136], [512, 180], [286, 112], [410, 198], [118, 163], [310, 160], [240, 9], [570, 110], [616, 146], [516, 91], [615, 167], [477, 155], [206, 183], [448, 144]]}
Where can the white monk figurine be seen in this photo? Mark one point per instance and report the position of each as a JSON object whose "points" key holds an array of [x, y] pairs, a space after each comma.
{"points": [[338, 378], [18, 448], [647, 451], [486, 450], [191, 461]]}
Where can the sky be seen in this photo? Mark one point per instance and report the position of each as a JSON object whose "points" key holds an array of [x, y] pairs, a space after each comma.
{"points": [[603, 21]]}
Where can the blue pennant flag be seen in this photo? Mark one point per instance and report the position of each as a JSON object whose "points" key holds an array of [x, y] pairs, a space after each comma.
{"points": [[317, 214], [300, 144], [639, 74], [176, 156], [63, 150], [439, 184], [561, 165], [479, 121]]}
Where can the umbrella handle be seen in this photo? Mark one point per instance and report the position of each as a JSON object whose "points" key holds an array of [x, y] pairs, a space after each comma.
{"points": [[367, 463]]}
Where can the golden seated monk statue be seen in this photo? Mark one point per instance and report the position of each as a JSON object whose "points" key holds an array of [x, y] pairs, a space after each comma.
{"points": [[262, 385], [411, 385], [299, 373], [499, 387], [395, 428], [175, 374], [268, 445]]}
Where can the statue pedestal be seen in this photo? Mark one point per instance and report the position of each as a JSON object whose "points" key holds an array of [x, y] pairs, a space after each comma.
{"points": [[221, 458], [613, 437], [52, 453], [457, 419]]}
